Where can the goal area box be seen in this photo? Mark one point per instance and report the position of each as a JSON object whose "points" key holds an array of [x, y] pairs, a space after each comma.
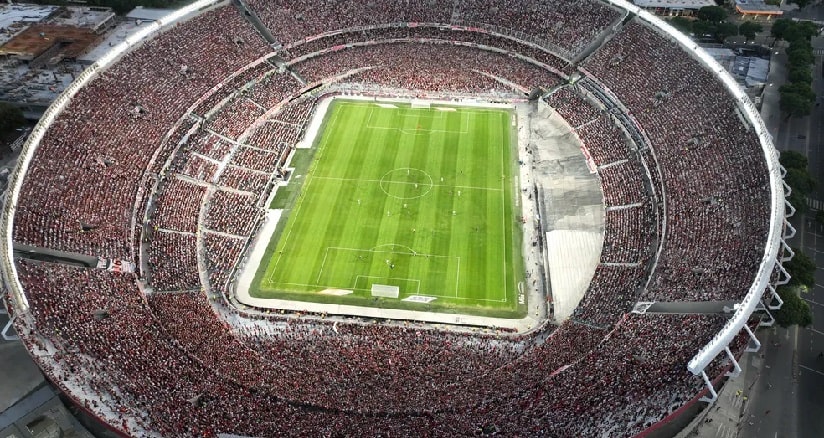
{"points": [[385, 291]]}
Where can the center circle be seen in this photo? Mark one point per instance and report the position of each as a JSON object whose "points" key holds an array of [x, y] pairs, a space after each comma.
{"points": [[406, 183]]}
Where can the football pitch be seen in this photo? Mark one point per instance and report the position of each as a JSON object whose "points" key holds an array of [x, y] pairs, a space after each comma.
{"points": [[421, 201]]}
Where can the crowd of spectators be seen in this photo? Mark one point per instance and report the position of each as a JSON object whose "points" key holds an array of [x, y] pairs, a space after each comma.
{"points": [[298, 112], [222, 253], [257, 159], [99, 169], [274, 136], [566, 24], [604, 140], [243, 179], [178, 205], [623, 184], [237, 81], [173, 261], [235, 117], [576, 110], [410, 65], [713, 172], [628, 234], [613, 290], [168, 364], [233, 213], [444, 33], [273, 89]]}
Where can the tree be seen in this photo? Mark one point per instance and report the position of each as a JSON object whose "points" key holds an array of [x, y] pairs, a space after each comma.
{"points": [[800, 73], [713, 14], [749, 29], [725, 30], [793, 160], [800, 3], [797, 99], [794, 310], [682, 23], [800, 180], [780, 26], [799, 202], [701, 28], [801, 268], [11, 118], [800, 54]]}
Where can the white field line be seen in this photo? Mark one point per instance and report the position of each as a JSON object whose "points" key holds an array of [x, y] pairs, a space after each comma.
{"points": [[411, 280], [503, 220], [492, 189], [458, 277], [309, 176], [436, 115], [367, 290]]}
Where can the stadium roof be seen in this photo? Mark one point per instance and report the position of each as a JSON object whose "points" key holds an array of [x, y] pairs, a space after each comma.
{"points": [[15, 18], [674, 4], [150, 14], [756, 7], [119, 34]]}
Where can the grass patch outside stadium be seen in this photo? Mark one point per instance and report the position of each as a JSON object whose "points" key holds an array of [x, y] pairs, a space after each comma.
{"points": [[417, 199]]}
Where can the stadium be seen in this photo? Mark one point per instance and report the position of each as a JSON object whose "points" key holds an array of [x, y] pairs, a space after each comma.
{"points": [[396, 218]]}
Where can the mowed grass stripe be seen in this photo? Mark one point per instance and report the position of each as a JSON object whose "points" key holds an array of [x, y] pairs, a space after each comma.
{"points": [[361, 144]]}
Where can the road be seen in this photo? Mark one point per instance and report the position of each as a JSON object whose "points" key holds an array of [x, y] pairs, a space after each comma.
{"points": [[787, 398]]}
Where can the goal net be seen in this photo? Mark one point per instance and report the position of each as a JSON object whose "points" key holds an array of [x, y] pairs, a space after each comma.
{"points": [[385, 291], [420, 103]]}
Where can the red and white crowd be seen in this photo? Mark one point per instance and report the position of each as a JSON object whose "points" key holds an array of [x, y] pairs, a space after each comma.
{"points": [[167, 362]]}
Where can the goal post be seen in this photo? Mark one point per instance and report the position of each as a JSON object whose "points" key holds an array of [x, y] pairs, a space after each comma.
{"points": [[420, 103], [385, 291]]}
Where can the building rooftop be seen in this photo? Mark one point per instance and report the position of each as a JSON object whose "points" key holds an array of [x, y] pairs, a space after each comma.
{"points": [[83, 16], [39, 38], [112, 39], [757, 6], [150, 14], [16, 18], [674, 4]]}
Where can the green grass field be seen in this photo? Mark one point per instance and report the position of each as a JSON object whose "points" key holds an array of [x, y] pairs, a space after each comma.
{"points": [[418, 198]]}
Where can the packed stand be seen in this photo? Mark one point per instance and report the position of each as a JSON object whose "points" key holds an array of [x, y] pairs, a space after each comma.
{"points": [[291, 21], [409, 65], [195, 166], [178, 205], [604, 140], [209, 145], [175, 367], [623, 184], [235, 117], [628, 234], [232, 213], [173, 261], [143, 95], [230, 86], [567, 24], [445, 33], [273, 89], [243, 179], [256, 159], [297, 112], [612, 292], [222, 253], [274, 136], [713, 169], [576, 110]]}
